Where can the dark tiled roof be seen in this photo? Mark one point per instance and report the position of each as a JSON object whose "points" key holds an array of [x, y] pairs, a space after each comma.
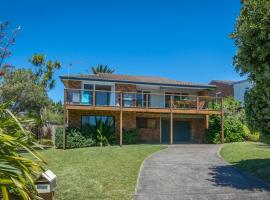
{"points": [[134, 79], [226, 82]]}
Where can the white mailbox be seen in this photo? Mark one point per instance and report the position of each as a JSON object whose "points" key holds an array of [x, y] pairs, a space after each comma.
{"points": [[46, 185]]}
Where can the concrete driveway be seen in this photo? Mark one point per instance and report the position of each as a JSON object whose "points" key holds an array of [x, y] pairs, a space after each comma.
{"points": [[195, 172]]}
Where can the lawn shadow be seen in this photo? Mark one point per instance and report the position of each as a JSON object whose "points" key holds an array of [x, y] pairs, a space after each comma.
{"points": [[232, 176]]}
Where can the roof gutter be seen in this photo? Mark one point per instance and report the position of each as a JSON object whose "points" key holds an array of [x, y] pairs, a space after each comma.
{"points": [[142, 83]]}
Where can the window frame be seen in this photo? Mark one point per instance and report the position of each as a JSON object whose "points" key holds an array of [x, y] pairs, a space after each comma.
{"points": [[146, 122], [113, 118]]}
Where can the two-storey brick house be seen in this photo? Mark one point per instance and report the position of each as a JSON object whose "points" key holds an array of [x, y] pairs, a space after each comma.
{"points": [[163, 110]]}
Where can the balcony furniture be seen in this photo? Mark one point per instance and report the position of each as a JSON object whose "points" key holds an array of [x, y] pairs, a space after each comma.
{"points": [[185, 104]]}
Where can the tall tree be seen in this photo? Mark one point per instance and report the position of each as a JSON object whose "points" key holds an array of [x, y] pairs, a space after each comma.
{"points": [[102, 69], [252, 37], [7, 39], [44, 70], [21, 87]]}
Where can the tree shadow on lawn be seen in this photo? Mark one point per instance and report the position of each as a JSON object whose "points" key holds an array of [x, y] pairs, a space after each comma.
{"points": [[230, 176]]}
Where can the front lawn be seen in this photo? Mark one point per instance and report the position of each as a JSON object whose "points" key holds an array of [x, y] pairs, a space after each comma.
{"points": [[98, 172], [249, 156]]}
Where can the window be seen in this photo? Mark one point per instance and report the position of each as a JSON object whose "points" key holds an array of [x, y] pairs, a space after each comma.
{"points": [[88, 86], [103, 95], [90, 120], [146, 123], [87, 94]]}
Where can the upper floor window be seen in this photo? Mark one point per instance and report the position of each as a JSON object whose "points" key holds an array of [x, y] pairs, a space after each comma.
{"points": [[88, 86]]}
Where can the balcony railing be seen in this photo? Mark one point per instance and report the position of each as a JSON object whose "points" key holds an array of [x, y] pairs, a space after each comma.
{"points": [[140, 100]]}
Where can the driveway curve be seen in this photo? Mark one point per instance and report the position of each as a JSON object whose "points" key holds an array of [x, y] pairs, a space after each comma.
{"points": [[195, 172]]}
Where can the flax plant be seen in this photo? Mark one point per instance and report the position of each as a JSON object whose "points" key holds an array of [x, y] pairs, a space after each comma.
{"points": [[17, 172]]}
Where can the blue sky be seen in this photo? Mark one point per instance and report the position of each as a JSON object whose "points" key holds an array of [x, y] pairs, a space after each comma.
{"points": [[182, 40]]}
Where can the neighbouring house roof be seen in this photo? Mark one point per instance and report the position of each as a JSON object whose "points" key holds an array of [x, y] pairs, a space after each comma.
{"points": [[119, 78], [225, 82], [242, 81]]}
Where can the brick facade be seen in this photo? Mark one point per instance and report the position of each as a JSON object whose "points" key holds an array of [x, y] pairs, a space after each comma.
{"points": [[225, 89], [125, 88], [73, 84], [146, 135]]}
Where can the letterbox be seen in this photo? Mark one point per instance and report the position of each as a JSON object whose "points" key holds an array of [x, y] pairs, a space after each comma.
{"points": [[46, 184]]}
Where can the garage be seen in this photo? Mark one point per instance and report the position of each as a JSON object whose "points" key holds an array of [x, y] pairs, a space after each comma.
{"points": [[181, 131]]}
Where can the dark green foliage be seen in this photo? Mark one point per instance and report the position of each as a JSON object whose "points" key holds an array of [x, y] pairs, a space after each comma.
{"points": [[75, 139], [58, 137], [103, 132], [130, 136], [235, 129], [102, 69], [257, 106], [251, 36], [19, 86], [265, 138]]}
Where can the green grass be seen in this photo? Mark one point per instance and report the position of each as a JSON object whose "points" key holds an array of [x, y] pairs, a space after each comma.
{"points": [[97, 172], [251, 157]]}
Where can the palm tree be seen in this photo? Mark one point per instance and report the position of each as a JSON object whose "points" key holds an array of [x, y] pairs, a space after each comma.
{"points": [[102, 69], [17, 172]]}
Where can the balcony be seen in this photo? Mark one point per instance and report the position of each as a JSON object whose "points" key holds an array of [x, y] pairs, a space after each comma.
{"points": [[141, 102]]}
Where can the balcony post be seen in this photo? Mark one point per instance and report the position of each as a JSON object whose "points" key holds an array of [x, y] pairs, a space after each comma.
{"points": [[147, 101], [171, 120], [197, 102], [207, 122], [222, 120], [121, 119], [65, 117], [94, 98]]}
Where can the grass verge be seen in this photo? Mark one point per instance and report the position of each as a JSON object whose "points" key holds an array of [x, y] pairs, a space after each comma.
{"points": [[252, 157], [98, 172]]}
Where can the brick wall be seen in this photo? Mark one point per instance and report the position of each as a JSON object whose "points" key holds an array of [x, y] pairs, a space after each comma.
{"points": [[73, 84], [149, 135], [146, 135], [125, 88], [225, 89], [198, 130]]}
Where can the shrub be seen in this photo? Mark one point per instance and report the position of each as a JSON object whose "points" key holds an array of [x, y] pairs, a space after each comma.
{"points": [[103, 132], [265, 138], [46, 142], [234, 130], [75, 139], [253, 137], [130, 136]]}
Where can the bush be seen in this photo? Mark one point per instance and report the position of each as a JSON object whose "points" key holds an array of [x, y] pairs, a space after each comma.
{"points": [[46, 142], [130, 136], [75, 139], [265, 138], [102, 132], [234, 130], [253, 137]]}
